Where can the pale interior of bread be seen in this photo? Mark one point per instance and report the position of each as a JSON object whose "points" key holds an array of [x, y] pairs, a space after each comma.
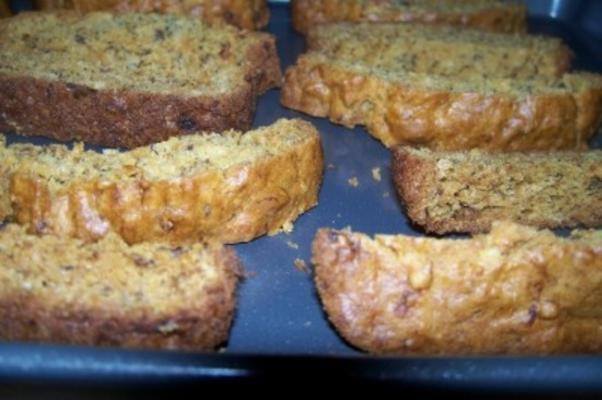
{"points": [[439, 50], [107, 274], [568, 83], [137, 52], [178, 157]]}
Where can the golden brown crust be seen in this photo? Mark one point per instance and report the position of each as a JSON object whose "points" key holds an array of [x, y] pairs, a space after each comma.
{"points": [[305, 13], [400, 114], [247, 14], [37, 301], [4, 10], [232, 205], [515, 291], [467, 191], [110, 118]]}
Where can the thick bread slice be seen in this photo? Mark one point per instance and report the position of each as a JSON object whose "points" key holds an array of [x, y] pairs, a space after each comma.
{"points": [[107, 293], [514, 291], [129, 80], [467, 191], [402, 107], [248, 14], [489, 15], [442, 50], [230, 187]]}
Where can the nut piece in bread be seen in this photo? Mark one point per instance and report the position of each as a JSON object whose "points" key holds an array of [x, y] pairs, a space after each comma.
{"points": [[131, 79], [514, 291], [248, 14], [230, 187], [398, 106], [488, 15], [107, 293], [467, 191]]}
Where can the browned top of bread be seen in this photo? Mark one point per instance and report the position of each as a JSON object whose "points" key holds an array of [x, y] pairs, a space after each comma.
{"points": [[148, 53], [468, 191], [229, 187], [108, 293], [248, 14], [514, 291], [489, 15]]}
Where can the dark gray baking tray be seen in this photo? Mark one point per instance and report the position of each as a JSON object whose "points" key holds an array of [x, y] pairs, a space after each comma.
{"points": [[280, 331]]}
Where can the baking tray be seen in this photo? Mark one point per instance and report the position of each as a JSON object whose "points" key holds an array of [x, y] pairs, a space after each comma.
{"points": [[280, 331]]}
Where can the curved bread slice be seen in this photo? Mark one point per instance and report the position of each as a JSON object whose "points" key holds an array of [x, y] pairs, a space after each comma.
{"points": [[107, 293], [230, 187], [402, 107], [467, 191], [486, 15], [514, 291], [442, 50], [131, 79], [248, 14]]}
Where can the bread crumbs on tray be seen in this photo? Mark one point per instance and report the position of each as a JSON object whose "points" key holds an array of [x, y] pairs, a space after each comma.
{"points": [[376, 174], [292, 244], [301, 265], [353, 182], [386, 194]]}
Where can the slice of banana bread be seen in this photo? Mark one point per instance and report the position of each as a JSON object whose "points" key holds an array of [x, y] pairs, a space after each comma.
{"points": [[248, 14], [442, 50], [106, 293], [489, 15], [402, 107], [230, 187], [467, 191], [514, 291], [131, 79]]}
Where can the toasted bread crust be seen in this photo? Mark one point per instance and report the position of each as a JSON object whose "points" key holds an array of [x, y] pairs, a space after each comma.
{"points": [[398, 114], [546, 190], [201, 303], [232, 205], [305, 13], [515, 291], [127, 118], [247, 14]]}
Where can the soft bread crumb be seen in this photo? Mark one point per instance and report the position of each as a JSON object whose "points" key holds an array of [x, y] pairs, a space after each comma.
{"points": [[376, 174], [301, 265], [353, 181], [292, 244]]}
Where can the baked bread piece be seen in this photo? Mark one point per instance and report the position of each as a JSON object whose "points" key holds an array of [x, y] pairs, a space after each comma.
{"points": [[442, 50], [4, 10], [402, 107], [514, 291], [109, 294], [248, 14], [129, 80], [229, 187], [467, 191], [486, 15]]}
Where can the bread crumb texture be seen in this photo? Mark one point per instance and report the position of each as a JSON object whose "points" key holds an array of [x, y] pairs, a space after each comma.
{"points": [[515, 290], [108, 293], [230, 187], [467, 191]]}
